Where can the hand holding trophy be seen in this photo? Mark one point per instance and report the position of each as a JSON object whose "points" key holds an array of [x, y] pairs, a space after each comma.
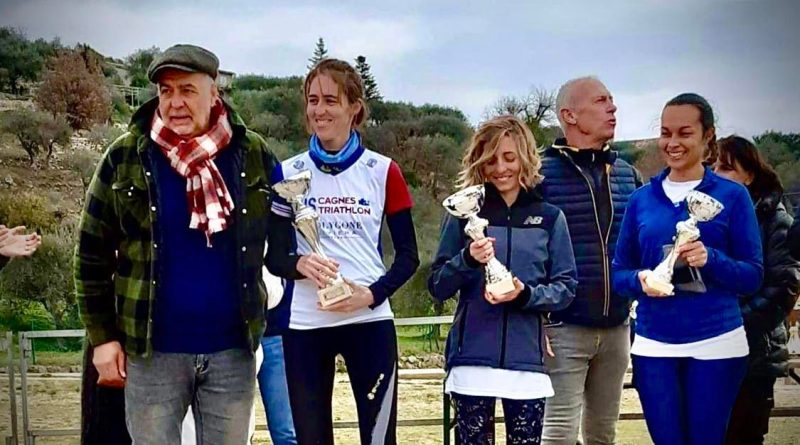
{"points": [[465, 204], [701, 208], [294, 190]]}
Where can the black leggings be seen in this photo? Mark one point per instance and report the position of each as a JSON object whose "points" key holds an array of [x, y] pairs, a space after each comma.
{"points": [[370, 353], [750, 417], [475, 420]]}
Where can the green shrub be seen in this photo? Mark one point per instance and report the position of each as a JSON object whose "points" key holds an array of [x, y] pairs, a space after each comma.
{"points": [[120, 110], [25, 316], [101, 135], [26, 209], [36, 131], [84, 163], [45, 277], [270, 125], [284, 149], [147, 93]]}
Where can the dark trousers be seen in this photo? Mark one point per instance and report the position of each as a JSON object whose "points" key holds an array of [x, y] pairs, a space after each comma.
{"points": [[370, 353], [475, 420], [102, 409], [750, 418], [688, 401]]}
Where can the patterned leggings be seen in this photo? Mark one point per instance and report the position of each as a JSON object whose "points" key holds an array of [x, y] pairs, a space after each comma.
{"points": [[475, 420]]}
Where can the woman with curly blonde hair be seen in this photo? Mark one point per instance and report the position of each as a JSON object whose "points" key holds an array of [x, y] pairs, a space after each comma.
{"points": [[496, 346]]}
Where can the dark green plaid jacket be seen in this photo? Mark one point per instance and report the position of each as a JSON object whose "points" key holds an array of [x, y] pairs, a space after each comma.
{"points": [[116, 260]]}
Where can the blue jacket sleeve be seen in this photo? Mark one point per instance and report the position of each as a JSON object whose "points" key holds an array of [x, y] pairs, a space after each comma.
{"points": [[558, 290], [741, 270], [626, 265], [452, 266]]}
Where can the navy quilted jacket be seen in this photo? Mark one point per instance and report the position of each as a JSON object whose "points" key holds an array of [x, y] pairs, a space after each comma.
{"points": [[567, 186]]}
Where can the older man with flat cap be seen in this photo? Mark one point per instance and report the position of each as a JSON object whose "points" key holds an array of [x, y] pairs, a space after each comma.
{"points": [[168, 266]]}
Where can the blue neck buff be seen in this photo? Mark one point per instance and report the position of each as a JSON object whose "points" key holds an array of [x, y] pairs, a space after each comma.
{"points": [[338, 162]]}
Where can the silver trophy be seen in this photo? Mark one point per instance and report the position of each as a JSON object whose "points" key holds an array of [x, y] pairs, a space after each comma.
{"points": [[701, 208], [294, 190], [465, 204]]}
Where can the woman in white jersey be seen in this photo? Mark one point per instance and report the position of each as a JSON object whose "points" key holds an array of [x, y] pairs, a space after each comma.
{"points": [[353, 190], [690, 350], [496, 346]]}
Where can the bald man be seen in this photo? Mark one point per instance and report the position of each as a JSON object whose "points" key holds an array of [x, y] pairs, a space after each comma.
{"points": [[590, 338]]}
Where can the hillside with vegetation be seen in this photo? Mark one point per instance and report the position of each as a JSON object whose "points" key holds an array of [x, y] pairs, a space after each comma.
{"points": [[61, 106]]}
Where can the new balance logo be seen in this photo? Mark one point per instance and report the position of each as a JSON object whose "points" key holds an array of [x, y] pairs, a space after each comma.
{"points": [[533, 221]]}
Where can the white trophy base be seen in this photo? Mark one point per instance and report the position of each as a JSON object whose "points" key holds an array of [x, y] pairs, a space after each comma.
{"points": [[653, 280], [336, 292], [501, 287]]}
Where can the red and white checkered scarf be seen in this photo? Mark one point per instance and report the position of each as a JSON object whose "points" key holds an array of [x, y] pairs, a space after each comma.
{"points": [[209, 200]]}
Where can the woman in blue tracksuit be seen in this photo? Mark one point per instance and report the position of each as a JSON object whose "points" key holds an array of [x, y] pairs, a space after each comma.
{"points": [[495, 347], [690, 351]]}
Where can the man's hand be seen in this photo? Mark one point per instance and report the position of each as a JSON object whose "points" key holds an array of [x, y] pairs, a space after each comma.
{"points": [[548, 348], [109, 359], [362, 297]]}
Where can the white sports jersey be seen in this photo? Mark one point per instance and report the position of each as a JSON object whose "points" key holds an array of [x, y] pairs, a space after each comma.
{"points": [[351, 207]]}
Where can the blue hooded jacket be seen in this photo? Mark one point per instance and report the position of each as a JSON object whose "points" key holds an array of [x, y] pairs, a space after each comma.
{"points": [[734, 265], [532, 240]]}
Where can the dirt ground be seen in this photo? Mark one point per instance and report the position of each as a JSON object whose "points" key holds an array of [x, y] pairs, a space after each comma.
{"points": [[55, 403], [60, 187]]}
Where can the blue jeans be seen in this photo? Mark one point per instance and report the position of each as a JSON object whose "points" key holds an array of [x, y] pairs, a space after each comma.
{"points": [[688, 401], [220, 387], [275, 392]]}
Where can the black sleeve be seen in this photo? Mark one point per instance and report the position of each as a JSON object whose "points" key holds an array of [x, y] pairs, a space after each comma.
{"points": [[794, 237], [778, 294], [406, 257], [3, 262], [281, 259]]}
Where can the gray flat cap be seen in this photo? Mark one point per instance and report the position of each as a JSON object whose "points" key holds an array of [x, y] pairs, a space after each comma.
{"points": [[189, 58]]}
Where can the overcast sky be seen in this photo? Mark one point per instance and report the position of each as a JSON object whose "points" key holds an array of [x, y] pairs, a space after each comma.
{"points": [[742, 55]]}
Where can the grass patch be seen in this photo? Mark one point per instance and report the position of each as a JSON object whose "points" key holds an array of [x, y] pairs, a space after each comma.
{"points": [[54, 358], [417, 340]]}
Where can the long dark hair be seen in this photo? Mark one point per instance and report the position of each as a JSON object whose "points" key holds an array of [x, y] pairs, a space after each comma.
{"points": [[733, 149], [706, 119]]}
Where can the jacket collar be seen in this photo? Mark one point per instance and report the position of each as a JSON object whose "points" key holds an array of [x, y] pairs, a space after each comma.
{"points": [[525, 196], [708, 181], [605, 154]]}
